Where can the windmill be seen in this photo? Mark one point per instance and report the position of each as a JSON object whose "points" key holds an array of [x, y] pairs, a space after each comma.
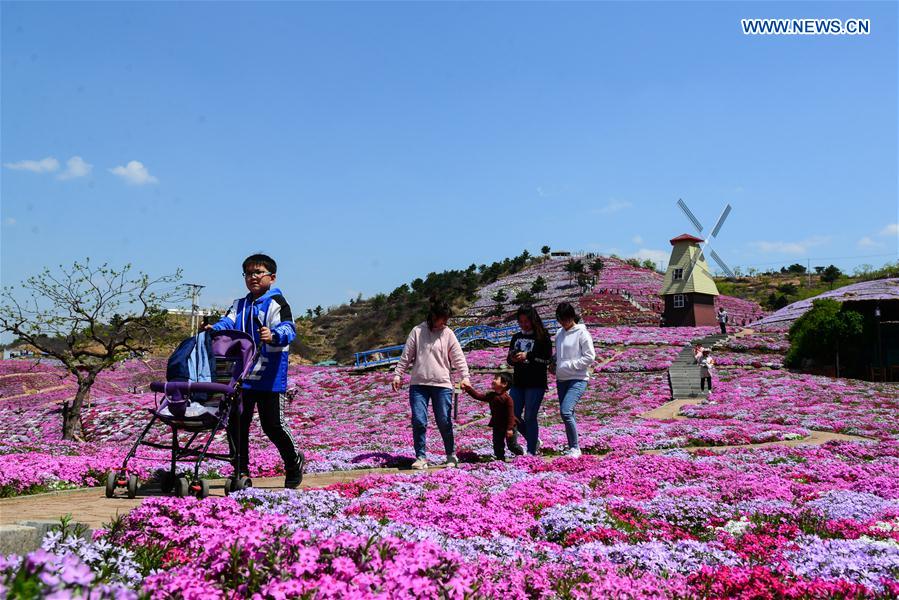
{"points": [[705, 244], [688, 289]]}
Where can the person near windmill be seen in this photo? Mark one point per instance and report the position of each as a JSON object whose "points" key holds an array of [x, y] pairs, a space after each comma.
{"points": [[722, 320]]}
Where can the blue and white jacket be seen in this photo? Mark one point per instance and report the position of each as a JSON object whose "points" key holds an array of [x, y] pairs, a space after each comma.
{"points": [[271, 310]]}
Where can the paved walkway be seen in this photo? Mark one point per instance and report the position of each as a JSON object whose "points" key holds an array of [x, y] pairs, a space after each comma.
{"points": [[92, 507]]}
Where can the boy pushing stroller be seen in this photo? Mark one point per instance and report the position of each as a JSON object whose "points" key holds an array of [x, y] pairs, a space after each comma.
{"points": [[264, 314]]}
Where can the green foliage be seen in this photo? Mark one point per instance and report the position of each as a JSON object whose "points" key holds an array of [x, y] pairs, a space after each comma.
{"points": [[597, 265], [788, 289], [545, 250], [795, 269], [823, 332], [539, 285], [524, 297], [500, 296], [830, 275]]}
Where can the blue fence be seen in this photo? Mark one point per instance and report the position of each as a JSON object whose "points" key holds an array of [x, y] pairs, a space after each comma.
{"points": [[465, 335]]}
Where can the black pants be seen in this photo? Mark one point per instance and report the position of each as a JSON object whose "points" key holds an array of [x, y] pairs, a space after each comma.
{"points": [[723, 328], [271, 417], [702, 381], [500, 441]]}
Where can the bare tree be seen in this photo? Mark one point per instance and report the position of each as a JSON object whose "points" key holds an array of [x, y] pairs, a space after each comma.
{"points": [[88, 317]]}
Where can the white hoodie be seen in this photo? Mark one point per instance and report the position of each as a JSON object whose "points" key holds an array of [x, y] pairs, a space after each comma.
{"points": [[574, 353]]}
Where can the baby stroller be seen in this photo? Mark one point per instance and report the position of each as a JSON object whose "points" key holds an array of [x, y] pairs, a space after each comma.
{"points": [[195, 407]]}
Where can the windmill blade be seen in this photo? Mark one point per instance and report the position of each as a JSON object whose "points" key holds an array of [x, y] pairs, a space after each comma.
{"points": [[720, 221], [721, 264], [683, 206], [693, 262]]}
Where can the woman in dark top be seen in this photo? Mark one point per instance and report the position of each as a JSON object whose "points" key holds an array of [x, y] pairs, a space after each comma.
{"points": [[530, 353]]}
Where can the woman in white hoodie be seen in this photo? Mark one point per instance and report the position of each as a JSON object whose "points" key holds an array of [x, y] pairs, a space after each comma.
{"points": [[574, 356]]}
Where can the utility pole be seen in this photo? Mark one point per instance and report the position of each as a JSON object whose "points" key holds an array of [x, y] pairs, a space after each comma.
{"points": [[194, 307], [808, 270]]}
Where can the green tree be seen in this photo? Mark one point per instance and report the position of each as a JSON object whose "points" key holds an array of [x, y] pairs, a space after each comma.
{"points": [[830, 275], [88, 318], [524, 297], [597, 265], [318, 310], [545, 250], [788, 289], [539, 286], [823, 332], [573, 268], [500, 296]]}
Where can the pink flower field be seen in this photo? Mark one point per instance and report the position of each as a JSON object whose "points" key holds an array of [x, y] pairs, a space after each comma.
{"points": [[651, 510]]}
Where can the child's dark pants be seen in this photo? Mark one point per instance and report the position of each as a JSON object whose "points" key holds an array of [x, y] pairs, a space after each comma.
{"points": [[500, 441], [702, 381], [271, 417]]}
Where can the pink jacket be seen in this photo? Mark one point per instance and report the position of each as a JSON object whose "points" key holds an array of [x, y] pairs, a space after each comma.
{"points": [[431, 355]]}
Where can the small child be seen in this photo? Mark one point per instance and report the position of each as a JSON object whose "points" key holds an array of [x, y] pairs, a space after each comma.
{"points": [[502, 414], [705, 369]]}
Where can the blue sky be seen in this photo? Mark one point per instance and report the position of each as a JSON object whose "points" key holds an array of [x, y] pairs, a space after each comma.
{"points": [[363, 145]]}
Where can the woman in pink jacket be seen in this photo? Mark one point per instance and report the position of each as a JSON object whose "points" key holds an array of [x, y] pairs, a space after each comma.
{"points": [[432, 351]]}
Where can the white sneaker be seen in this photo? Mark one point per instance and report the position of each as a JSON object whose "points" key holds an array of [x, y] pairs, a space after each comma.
{"points": [[572, 453], [451, 461], [537, 447], [420, 464]]}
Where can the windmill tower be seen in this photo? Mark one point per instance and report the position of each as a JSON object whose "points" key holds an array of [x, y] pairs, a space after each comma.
{"points": [[688, 290]]}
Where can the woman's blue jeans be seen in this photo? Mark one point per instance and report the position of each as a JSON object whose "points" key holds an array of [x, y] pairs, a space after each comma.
{"points": [[442, 399], [570, 392], [527, 403]]}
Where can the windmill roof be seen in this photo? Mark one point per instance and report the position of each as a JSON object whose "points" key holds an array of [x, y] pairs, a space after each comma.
{"points": [[686, 237]]}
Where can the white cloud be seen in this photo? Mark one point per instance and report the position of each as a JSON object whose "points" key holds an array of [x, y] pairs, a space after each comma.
{"points": [[795, 248], [867, 242], [637, 239], [891, 229], [656, 256], [44, 165], [76, 167], [613, 206], [134, 173], [9, 221]]}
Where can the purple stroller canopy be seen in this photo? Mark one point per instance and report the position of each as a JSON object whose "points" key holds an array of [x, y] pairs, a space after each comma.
{"points": [[237, 345]]}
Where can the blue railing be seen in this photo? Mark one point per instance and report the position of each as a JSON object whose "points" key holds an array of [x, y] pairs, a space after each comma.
{"points": [[465, 335]]}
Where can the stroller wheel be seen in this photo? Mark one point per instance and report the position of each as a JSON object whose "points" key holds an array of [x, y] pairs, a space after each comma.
{"points": [[166, 482], [182, 487], [243, 483], [200, 488], [132, 486], [110, 484]]}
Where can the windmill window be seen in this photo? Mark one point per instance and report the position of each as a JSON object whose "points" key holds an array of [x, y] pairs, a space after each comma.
{"points": [[678, 274], [678, 301]]}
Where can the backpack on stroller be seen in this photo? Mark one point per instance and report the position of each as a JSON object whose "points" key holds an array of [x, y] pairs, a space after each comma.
{"points": [[194, 407]]}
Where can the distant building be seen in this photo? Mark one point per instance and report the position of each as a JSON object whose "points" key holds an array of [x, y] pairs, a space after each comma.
{"points": [[689, 295], [559, 254]]}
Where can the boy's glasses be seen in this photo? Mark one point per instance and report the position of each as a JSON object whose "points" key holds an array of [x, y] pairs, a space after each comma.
{"points": [[256, 275]]}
